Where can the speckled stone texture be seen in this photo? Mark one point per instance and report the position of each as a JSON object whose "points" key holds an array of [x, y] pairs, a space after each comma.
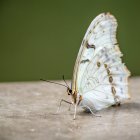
{"points": [[28, 112]]}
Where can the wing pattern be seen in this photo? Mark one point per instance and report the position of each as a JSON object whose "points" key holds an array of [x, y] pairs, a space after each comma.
{"points": [[99, 72]]}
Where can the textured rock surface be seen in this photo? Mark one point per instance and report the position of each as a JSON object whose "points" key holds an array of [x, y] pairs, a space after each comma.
{"points": [[28, 111]]}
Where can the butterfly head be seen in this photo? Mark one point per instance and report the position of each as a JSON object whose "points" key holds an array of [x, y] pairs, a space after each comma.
{"points": [[69, 91]]}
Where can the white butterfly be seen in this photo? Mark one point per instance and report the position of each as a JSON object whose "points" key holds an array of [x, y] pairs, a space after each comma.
{"points": [[100, 79]]}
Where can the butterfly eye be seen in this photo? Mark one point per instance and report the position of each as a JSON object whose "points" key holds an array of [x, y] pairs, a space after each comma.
{"points": [[69, 91]]}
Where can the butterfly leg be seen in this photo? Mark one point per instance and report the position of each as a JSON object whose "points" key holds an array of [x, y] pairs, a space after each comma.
{"points": [[75, 110], [62, 100], [69, 107], [92, 111]]}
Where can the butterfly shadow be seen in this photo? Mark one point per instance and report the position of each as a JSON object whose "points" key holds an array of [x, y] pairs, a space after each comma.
{"points": [[130, 106], [114, 110], [87, 113]]}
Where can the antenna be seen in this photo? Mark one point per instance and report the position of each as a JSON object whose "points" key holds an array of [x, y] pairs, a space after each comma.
{"points": [[55, 83], [65, 81]]}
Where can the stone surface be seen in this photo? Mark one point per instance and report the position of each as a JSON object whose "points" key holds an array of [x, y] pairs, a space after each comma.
{"points": [[28, 111]]}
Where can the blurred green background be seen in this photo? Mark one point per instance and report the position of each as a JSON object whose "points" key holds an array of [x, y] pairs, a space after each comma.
{"points": [[41, 39]]}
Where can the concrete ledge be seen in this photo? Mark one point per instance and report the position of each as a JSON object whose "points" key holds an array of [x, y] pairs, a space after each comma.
{"points": [[28, 111]]}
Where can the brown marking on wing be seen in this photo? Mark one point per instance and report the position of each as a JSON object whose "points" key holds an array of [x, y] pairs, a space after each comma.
{"points": [[113, 90], [105, 65], [84, 61], [110, 79], [90, 46], [108, 71], [98, 64]]}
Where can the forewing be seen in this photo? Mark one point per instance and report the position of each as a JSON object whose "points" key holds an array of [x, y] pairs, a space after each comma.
{"points": [[98, 66]]}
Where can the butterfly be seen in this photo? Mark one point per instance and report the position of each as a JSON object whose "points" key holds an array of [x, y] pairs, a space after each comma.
{"points": [[100, 79]]}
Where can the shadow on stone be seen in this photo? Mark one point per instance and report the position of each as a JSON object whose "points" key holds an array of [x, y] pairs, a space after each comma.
{"points": [[132, 105]]}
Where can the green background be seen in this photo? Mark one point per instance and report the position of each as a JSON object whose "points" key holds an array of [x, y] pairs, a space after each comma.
{"points": [[41, 39]]}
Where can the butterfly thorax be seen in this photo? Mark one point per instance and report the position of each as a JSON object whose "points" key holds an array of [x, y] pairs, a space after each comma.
{"points": [[76, 98]]}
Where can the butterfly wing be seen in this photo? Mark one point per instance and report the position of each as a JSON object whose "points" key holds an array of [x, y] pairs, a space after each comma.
{"points": [[99, 70]]}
